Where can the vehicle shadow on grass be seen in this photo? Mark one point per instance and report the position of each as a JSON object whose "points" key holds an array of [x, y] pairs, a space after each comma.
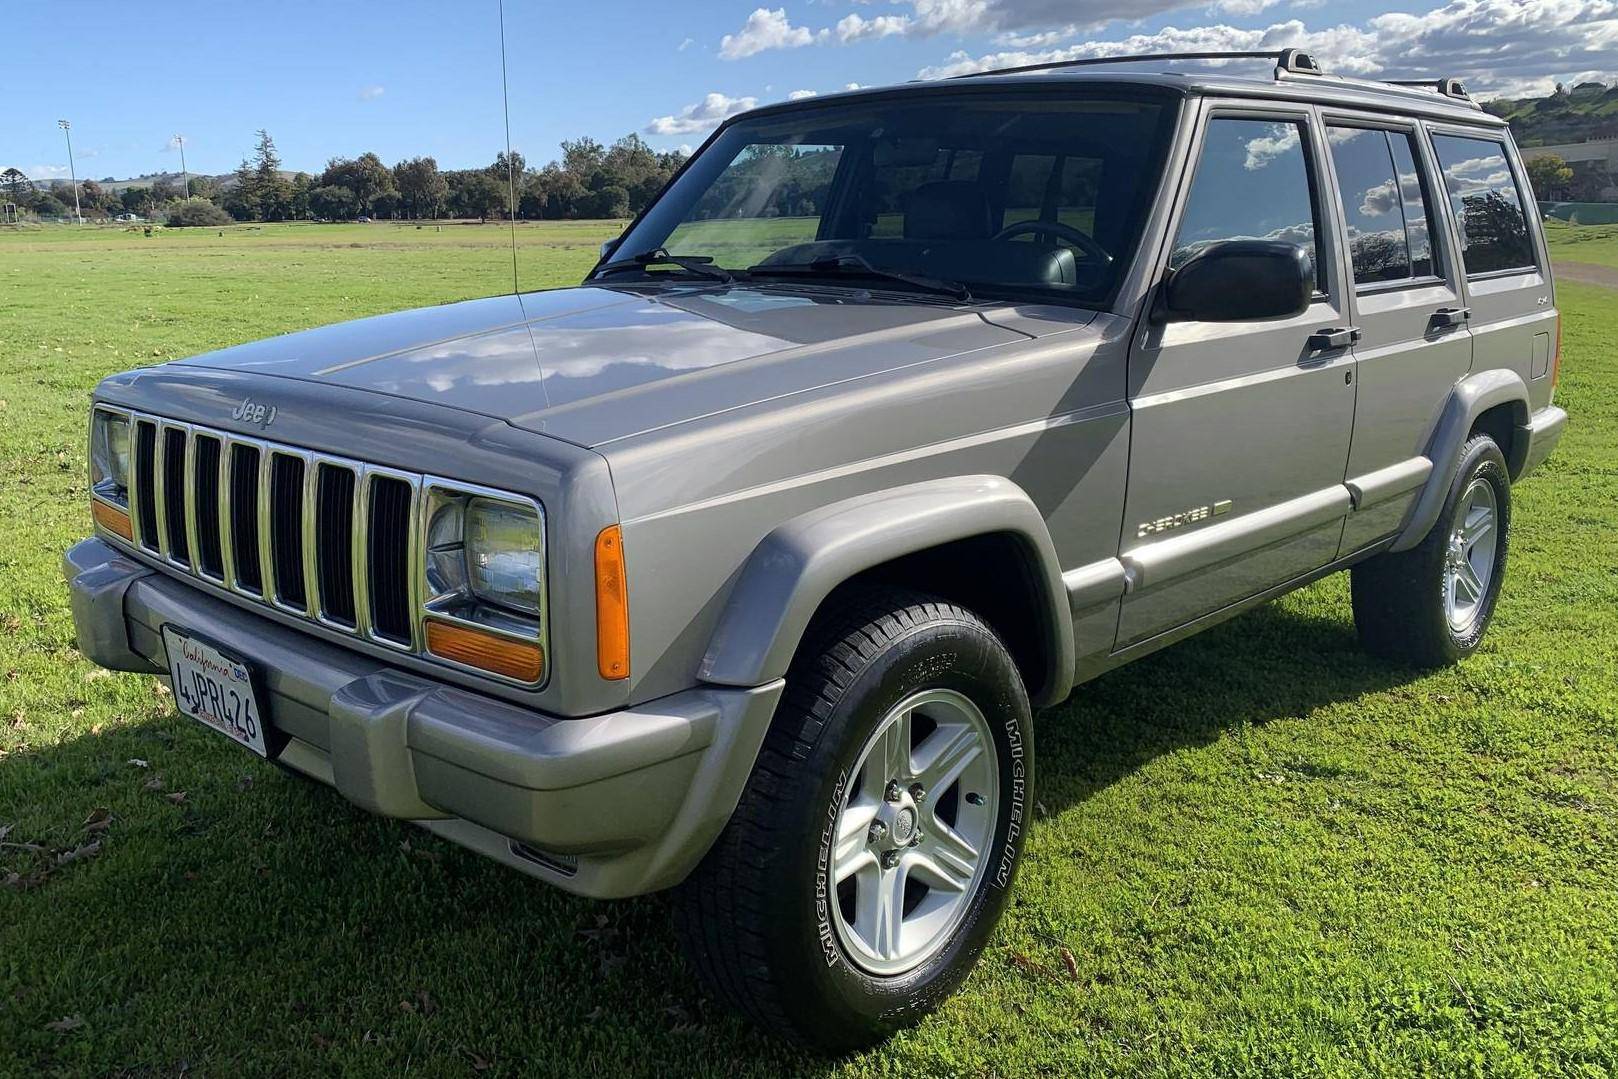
{"points": [[258, 921]]}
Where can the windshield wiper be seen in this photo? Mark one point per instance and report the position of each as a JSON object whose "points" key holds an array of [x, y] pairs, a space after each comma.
{"points": [[701, 265], [852, 264]]}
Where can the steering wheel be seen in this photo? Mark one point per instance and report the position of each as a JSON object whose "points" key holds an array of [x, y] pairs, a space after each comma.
{"points": [[1060, 231]]}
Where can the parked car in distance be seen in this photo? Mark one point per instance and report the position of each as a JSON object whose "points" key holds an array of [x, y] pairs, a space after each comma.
{"points": [[127, 218], [741, 568]]}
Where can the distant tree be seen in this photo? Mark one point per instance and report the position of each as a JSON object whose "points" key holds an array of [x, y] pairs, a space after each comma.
{"points": [[271, 190], [298, 196], [163, 192], [582, 157], [365, 176], [46, 204], [334, 202], [197, 213], [202, 187], [13, 182], [421, 186], [1549, 176], [480, 195], [136, 200], [611, 201], [388, 205], [518, 164]]}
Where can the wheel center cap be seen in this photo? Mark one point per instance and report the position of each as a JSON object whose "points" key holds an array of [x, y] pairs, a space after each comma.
{"points": [[904, 825]]}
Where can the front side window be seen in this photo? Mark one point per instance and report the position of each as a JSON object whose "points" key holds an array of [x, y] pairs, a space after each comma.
{"points": [[1489, 208], [1000, 193], [1389, 235], [1252, 183]]}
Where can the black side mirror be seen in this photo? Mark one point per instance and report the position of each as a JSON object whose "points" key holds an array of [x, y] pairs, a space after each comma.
{"points": [[1238, 281], [609, 247]]}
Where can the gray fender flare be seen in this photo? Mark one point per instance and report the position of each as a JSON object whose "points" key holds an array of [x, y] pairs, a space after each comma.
{"points": [[1473, 395], [796, 566]]}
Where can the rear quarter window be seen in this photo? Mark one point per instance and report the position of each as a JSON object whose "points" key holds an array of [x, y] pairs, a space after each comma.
{"points": [[1488, 205]]}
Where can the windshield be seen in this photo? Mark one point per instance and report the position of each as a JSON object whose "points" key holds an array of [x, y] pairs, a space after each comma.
{"points": [[1001, 194]]}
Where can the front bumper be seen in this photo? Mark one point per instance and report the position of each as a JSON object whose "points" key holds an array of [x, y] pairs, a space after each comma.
{"points": [[607, 806]]}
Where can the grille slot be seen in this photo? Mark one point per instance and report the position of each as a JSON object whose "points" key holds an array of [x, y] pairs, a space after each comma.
{"points": [[146, 482], [286, 530], [210, 545], [334, 542], [387, 557], [174, 495], [244, 525]]}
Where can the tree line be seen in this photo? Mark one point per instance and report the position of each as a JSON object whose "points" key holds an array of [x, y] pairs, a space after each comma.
{"points": [[590, 180]]}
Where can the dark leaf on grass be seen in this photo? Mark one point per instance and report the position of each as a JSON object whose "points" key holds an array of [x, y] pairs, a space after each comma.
{"points": [[479, 1063], [5, 830], [99, 820], [65, 1024], [153, 784], [1071, 964], [177, 797], [426, 1002], [1027, 965]]}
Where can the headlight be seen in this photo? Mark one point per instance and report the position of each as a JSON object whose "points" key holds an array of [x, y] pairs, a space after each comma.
{"points": [[502, 554], [109, 457], [484, 580]]}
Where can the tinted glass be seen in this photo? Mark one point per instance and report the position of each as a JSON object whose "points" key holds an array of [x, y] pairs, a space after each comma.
{"points": [[921, 188], [1372, 208], [1419, 226], [1483, 193], [1251, 184]]}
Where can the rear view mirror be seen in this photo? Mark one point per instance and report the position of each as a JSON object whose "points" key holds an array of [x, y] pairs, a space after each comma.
{"points": [[904, 151], [1238, 281]]}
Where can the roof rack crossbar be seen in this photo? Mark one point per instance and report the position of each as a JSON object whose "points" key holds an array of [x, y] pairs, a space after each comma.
{"points": [[1449, 87], [1290, 61]]}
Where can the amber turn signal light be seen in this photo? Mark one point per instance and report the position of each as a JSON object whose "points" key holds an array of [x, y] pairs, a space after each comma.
{"points": [[612, 606], [517, 660], [112, 518]]}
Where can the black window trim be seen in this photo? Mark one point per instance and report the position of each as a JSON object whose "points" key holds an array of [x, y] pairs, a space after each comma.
{"points": [[1435, 225], [1519, 181]]}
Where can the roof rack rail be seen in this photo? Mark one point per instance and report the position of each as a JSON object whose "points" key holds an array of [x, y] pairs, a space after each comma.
{"points": [[1446, 87], [1287, 61]]}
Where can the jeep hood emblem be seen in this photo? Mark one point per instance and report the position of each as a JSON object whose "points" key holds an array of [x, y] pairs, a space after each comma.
{"points": [[249, 411]]}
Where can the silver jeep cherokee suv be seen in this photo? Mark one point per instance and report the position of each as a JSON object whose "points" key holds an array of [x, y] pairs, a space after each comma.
{"points": [[741, 567]]}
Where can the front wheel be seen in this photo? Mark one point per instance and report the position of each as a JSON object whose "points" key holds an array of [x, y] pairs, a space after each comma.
{"points": [[1429, 606], [871, 854]]}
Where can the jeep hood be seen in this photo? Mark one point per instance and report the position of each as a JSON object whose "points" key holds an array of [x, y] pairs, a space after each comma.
{"points": [[593, 364]]}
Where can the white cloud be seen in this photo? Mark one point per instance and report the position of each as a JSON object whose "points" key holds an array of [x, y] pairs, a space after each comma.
{"points": [[371, 93], [852, 28], [799, 95], [1495, 46], [1241, 7], [852, 86], [705, 115], [686, 44], [47, 172], [764, 29]]}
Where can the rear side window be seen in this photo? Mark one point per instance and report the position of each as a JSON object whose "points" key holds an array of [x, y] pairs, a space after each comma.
{"points": [[1389, 236], [1487, 204], [1251, 184]]}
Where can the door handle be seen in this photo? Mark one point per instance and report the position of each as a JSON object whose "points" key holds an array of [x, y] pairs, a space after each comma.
{"points": [[1336, 337], [1447, 317]]}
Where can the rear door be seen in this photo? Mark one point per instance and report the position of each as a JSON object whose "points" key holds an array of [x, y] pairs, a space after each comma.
{"points": [[1508, 284], [1240, 430], [1407, 302]]}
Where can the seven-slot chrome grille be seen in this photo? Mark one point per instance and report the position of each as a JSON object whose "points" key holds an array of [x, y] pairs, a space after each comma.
{"points": [[327, 538]]}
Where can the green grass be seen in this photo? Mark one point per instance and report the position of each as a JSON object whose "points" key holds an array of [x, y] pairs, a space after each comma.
{"points": [[1593, 243], [1264, 852]]}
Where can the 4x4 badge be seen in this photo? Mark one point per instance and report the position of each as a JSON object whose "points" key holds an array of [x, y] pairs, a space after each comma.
{"points": [[256, 414]]}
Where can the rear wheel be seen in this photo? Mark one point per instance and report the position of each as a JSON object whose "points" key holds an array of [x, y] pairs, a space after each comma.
{"points": [[871, 854], [1430, 605]]}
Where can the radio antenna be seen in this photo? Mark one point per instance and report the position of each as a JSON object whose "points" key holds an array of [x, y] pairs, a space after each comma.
{"points": [[511, 172]]}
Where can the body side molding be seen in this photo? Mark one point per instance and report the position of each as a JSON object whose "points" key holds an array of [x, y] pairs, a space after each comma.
{"points": [[797, 565]]}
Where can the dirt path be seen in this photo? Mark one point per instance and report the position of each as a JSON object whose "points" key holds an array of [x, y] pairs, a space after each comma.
{"points": [[1587, 273]]}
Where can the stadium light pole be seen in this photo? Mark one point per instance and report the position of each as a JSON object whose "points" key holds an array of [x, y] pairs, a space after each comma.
{"points": [[179, 140], [78, 215]]}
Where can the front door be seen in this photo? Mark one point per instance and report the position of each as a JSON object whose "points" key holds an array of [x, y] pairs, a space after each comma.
{"points": [[1240, 430]]}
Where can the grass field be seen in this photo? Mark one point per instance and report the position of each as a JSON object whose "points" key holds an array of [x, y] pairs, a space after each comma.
{"points": [[1257, 853]]}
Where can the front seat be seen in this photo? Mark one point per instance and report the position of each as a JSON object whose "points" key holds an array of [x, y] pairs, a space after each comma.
{"points": [[947, 210]]}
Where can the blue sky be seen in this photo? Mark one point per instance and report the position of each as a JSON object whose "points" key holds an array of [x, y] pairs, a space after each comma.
{"points": [[407, 77]]}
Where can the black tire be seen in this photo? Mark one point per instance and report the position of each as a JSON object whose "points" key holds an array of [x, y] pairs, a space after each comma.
{"points": [[1399, 599], [755, 916]]}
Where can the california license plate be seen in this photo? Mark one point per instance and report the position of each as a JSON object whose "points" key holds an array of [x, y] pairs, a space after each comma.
{"points": [[215, 688]]}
